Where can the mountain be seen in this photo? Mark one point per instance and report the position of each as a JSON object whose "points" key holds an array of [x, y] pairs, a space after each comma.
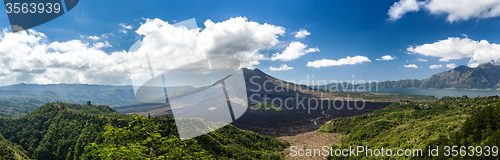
{"points": [[257, 83], [63, 131], [17, 100], [484, 76]]}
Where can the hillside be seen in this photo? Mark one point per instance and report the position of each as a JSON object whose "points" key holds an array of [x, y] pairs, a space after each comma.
{"points": [[408, 125], [8, 151], [484, 76], [10, 109], [63, 130]]}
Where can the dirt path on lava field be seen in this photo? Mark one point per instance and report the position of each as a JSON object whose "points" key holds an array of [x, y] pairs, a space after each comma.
{"points": [[310, 140]]}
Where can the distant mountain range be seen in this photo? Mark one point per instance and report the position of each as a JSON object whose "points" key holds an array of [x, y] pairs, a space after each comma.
{"points": [[16, 100], [485, 76]]}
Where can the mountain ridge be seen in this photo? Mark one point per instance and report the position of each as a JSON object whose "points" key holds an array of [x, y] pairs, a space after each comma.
{"points": [[485, 76]]}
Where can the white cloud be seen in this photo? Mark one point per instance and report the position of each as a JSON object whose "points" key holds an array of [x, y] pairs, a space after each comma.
{"points": [[293, 51], [183, 46], [411, 66], [123, 31], [126, 26], [106, 35], [93, 38], [302, 33], [435, 66], [32, 58], [342, 61], [451, 65], [457, 48], [465, 9], [421, 60], [28, 57], [100, 45], [283, 67], [398, 9], [385, 58], [455, 9]]}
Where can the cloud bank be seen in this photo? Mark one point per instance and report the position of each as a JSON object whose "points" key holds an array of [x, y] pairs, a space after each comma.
{"points": [[435, 66], [385, 58], [457, 48], [411, 66], [455, 9], [451, 65], [283, 67], [343, 61], [30, 57], [293, 51], [302, 33]]}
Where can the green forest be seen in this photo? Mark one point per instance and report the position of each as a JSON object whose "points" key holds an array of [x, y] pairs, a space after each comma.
{"points": [[451, 121], [85, 131]]}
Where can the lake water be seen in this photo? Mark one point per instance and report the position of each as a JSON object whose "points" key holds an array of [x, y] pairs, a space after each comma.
{"points": [[442, 92]]}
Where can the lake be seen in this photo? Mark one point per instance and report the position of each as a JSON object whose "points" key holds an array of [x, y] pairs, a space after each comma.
{"points": [[442, 92]]}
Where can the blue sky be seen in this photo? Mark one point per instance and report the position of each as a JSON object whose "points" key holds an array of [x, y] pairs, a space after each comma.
{"points": [[337, 28]]}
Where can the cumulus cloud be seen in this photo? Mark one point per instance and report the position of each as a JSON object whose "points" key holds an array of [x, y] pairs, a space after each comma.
{"points": [[30, 57], [455, 9], [457, 48], [100, 45], [411, 66], [106, 35], [125, 27], [302, 33], [293, 51], [421, 60], [123, 31], [95, 38], [385, 58], [343, 61], [283, 67], [398, 9], [451, 65], [435, 66]]}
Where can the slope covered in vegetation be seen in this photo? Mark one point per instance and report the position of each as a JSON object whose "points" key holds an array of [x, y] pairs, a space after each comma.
{"points": [[9, 109], [407, 125], [8, 151], [66, 131]]}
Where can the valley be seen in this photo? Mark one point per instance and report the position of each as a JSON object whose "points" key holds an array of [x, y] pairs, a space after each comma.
{"points": [[307, 118]]}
